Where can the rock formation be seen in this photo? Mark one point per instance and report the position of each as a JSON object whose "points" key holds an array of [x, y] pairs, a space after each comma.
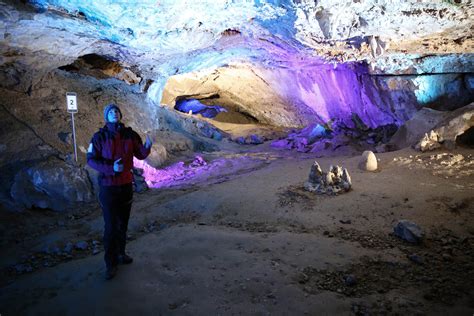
{"points": [[336, 180], [359, 69], [368, 161], [51, 184], [450, 130]]}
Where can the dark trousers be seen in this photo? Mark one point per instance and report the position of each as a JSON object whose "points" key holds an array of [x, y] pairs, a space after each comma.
{"points": [[116, 202]]}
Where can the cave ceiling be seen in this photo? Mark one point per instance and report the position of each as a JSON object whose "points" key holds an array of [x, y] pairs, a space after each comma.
{"points": [[162, 38]]}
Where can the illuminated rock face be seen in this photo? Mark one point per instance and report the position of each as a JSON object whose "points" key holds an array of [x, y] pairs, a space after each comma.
{"points": [[282, 63], [270, 64], [299, 97]]}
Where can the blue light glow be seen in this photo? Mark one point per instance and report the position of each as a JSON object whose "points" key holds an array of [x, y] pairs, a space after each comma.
{"points": [[168, 25]]}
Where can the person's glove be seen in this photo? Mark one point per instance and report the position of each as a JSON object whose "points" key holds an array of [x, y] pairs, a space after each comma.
{"points": [[118, 165], [148, 142]]}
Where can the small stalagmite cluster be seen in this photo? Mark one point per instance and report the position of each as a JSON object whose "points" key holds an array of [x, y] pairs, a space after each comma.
{"points": [[336, 180]]}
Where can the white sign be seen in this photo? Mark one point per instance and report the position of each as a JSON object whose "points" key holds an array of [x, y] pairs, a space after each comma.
{"points": [[71, 98]]}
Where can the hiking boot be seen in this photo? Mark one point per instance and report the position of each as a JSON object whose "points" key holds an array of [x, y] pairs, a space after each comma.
{"points": [[111, 272], [125, 259]]}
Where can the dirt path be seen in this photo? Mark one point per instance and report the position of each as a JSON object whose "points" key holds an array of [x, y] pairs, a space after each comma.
{"points": [[256, 243]]}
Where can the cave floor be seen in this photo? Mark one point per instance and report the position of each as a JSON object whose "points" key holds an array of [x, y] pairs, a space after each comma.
{"points": [[257, 243]]}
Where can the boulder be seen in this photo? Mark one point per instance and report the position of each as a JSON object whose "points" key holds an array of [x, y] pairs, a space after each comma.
{"points": [[368, 161], [455, 124], [413, 130], [158, 155], [408, 231], [52, 184], [430, 129], [93, 178]]}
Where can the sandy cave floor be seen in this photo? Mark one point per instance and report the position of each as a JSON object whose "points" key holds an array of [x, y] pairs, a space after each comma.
{"points": [[252, 242]]}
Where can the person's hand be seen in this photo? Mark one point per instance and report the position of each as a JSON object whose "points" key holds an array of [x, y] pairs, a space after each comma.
{"points": [[118, 165], [148, 142]]}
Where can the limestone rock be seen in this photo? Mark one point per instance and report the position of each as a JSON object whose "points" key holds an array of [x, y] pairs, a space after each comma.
{"points": [[408, 231], [429, 142], [455, 124], [336, 180], [447, 131], [315, 174], [81, 245], [158, 155], [413, 130], [368, 161], [51, 184], [346, 180]]}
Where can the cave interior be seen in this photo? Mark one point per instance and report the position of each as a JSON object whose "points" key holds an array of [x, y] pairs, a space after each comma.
{"points": [[309, 156]]}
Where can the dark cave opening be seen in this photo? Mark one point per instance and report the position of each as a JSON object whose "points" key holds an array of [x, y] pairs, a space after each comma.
{"points": [[94, 65], [212, 109], [466, 139]]}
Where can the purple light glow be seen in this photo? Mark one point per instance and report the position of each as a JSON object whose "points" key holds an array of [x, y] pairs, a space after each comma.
{"points": [[337, 93], [198, 171], [169, 176]]}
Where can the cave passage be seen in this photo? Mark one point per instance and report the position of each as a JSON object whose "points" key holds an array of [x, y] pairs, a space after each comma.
{"points": [[466, 139], [216, 112]]}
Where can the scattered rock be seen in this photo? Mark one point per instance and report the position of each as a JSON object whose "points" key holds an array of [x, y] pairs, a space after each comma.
{"points": [[198, 162], [256, 139], [52, 250], [368, 161], [334, 134], [408, 231], [23, 268], [350, 280], [416, 258], [82, 245], [68, 248]]}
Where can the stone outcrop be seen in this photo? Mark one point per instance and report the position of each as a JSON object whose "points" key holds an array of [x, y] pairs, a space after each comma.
{"points": [[52, 184], [446, 132], [457, 123], [101, 67], [430, 141], [336, 180], [415, 128]]}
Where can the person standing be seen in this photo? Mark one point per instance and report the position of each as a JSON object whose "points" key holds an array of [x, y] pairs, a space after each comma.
{"points": [[111, 153]]}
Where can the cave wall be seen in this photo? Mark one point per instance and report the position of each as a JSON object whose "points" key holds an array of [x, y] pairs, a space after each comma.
{"points": [[39, 104], [376, 99], [289, 97]]}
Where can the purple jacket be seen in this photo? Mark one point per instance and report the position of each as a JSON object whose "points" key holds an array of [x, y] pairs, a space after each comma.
{"points": [[110, 143]]}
